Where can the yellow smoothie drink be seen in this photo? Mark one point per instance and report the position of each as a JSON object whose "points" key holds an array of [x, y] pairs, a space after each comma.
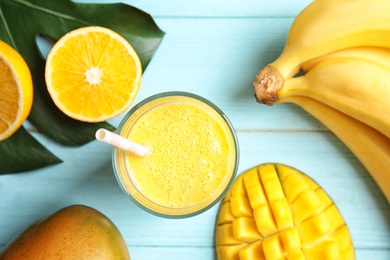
{"points": [[193, 155]]}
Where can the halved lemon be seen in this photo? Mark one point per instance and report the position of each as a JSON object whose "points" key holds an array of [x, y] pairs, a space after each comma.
{"points": [[16, 90], [93, 74]]}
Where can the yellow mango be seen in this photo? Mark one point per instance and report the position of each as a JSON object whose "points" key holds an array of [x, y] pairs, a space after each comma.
{"points": [[225, 235], [296, 255], [282, 214], [244, 229], [272, 247], [251, 251], [238, 187], [271, 182], [295, 184], [307, 200], [256, 196], [264, 221], [226, 215], [254, 189], [229, 252], [240, 206], [290, 240], [275, 211]]}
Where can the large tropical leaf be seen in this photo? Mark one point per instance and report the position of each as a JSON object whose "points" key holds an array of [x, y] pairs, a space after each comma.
{"points": [[23, 21], [23, 153]]}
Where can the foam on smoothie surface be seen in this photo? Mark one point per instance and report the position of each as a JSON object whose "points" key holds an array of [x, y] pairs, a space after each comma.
{"points": [[189, 154]]}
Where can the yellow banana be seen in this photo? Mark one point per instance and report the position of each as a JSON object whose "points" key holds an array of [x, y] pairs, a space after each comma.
{"points": [[323, 27], [370, 146], [359, 88], [378, 55]]}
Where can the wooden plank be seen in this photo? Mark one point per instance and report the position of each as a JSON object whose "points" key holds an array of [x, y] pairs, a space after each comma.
{"points": [[204, 8], [172, 253], [209, 253]]}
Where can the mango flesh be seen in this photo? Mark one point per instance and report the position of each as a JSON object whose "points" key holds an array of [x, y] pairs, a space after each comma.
{"points": [[274, 211], [74, 232]]}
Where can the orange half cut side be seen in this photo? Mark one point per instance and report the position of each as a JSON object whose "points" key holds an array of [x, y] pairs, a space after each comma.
{"points": [[93, 74], [16, 91]]}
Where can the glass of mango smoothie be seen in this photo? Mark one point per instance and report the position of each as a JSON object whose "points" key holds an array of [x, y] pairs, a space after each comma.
{"points": [[192, 160]]}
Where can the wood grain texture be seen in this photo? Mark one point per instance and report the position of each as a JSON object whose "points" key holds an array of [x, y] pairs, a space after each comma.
{"points": [[214, 49]]}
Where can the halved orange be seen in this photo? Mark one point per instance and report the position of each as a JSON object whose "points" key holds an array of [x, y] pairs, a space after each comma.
{"points": [[16, 90], [93, 74]]}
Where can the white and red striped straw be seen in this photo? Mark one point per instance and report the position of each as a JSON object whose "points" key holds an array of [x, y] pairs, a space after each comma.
{"points": [[118, 141]]}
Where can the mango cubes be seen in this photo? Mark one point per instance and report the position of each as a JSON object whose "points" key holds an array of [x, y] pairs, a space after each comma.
{"points": [[274, 211]]}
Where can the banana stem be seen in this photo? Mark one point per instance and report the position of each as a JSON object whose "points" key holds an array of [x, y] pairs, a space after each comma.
{"points": [[268, 81]]}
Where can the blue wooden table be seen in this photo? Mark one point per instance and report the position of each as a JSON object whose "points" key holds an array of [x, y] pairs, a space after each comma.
{"points": [[213, 49]]}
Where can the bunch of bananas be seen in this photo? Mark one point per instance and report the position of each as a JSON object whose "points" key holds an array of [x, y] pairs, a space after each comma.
{"points": [[343, 49]]}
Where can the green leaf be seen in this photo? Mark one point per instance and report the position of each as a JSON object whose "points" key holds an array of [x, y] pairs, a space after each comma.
{"points": [[23, 153], [22, 21]]}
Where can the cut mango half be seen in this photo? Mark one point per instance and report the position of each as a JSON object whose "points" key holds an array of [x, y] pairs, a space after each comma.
{"points": [[274, 211]]}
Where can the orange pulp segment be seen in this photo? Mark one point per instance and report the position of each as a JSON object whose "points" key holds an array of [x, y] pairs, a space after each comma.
{"points": [[93, 74], [16, 90]]}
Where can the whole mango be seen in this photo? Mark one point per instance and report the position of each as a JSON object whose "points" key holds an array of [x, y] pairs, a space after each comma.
{"points": [[73, 232]]}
